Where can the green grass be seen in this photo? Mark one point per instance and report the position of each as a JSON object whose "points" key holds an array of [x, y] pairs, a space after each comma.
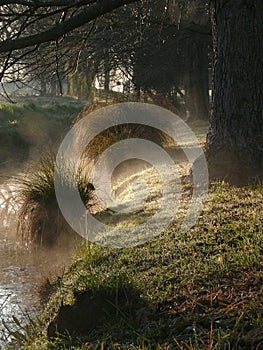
{"points": [[31, 123], [199, 290]]}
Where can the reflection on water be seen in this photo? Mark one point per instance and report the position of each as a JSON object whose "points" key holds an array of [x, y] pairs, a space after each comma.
{"points": [[21, 270]]}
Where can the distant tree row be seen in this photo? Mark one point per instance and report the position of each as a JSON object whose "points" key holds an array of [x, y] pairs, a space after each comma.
{"points": [[162, 50]]}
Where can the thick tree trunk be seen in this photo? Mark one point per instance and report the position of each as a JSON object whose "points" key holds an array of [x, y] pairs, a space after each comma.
{"points": [[235, 140]]}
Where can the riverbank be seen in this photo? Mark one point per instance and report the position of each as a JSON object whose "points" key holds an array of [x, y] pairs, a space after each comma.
{"points": [[27, 129], [31, 125], [196, 290]]}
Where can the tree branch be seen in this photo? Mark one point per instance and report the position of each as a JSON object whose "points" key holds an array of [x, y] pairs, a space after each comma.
{"points": [[32, 3], [84, 16]]}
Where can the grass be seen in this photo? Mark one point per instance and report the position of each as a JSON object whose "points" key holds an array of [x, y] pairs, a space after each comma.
{"points": [[39, 217], [32, 122], [118, 132], [197, 290]]}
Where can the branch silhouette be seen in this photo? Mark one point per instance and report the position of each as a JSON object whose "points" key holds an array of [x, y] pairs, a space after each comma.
{"points": [[86, 15]]}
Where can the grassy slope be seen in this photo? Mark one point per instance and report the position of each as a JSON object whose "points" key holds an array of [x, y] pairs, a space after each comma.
{"points": [[31, 124], [200, 290]]}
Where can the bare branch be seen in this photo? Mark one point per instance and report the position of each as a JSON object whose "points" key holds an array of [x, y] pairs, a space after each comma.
{"points": [[84, 16], [38, 4]]}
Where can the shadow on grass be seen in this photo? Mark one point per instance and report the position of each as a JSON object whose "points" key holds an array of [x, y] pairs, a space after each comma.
{"points": [[115, 312], [120, 318]]}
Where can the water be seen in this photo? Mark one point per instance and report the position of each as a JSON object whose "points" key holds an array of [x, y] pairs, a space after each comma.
{"points": [[22, 270]]}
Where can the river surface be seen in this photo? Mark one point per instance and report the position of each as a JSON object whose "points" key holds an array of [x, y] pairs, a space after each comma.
{"points": [[22, 270]]}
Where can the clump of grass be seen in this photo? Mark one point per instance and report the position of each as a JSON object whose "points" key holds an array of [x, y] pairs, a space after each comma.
{"points": [[40, 219]]}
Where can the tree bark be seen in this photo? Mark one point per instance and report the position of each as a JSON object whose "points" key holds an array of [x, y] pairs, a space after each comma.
{"points": [[53, 86], [235, 139], [197, 98], [106, 71], [81, 84], [43, 85]]}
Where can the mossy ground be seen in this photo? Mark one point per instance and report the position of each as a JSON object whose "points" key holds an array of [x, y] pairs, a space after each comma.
{"points": [[201, 289]]}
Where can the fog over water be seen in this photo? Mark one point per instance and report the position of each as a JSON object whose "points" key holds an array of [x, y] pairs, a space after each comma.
{"points": [[22, 269]]}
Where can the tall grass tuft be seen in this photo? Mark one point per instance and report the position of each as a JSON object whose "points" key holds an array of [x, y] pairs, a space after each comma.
{"points": [[39, 217]]}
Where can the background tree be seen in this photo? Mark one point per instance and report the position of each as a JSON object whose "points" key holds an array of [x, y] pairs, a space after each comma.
{"points": [[194, 27], [141, 41], [24, 43], [157, 55]]}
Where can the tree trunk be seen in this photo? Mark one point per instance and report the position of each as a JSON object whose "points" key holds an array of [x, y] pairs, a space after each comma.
{"points": [[235, 139], [197, 98], [43, 85], [81, 84], [53, 86], [106, 71]]}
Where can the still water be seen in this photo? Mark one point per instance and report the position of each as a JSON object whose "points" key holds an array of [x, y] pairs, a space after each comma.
{"points": [[22, 270]]}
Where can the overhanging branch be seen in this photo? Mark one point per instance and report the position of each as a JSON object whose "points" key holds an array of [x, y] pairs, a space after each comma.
{"points": [[55, 32]]}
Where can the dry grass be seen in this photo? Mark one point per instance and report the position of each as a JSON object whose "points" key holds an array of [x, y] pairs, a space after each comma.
{"points": [[40, 219], [118, 132]]}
